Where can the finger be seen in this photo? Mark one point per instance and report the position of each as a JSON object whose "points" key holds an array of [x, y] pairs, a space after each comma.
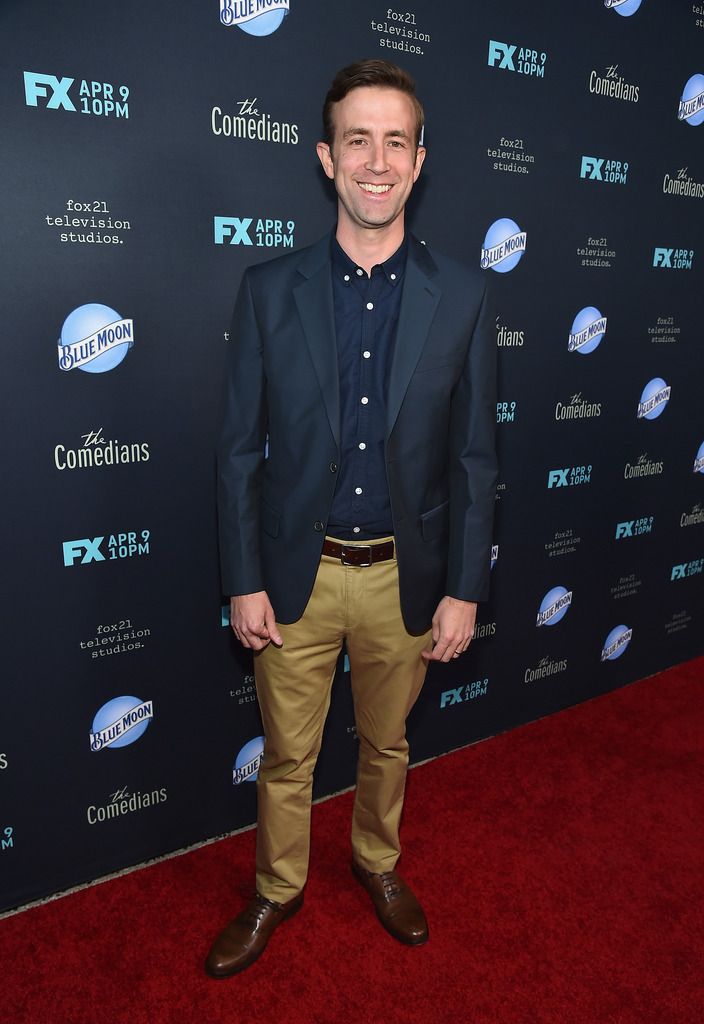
{"points": [[428, 653], [256, 643], [255, 628], [443, 650], [455, 647], [250, 637], [259, 643], [271, 628]]}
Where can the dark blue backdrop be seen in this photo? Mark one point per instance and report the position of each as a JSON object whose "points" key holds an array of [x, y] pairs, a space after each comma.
{"points": [[150, 153]]}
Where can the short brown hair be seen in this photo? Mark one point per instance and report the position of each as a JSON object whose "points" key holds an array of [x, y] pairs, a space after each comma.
{"points": [[366, 73]]}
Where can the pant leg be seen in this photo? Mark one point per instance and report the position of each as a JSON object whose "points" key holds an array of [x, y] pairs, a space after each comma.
{"points": [[387, 676], [293, 688]]}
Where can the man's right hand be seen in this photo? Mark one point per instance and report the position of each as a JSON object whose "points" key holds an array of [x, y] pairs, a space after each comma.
{"points": [[253, 622]]}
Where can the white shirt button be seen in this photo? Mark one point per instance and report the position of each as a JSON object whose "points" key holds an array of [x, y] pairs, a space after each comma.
{"points": [[370, 305], [355, 529], [360, 272], [362, 446], [347, 277], [392, 276], [358, 490], [366, 354], [365, 400]]}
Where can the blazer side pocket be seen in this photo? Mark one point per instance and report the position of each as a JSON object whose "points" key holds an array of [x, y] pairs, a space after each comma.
{"points": [[269, 519], [435, 521]]}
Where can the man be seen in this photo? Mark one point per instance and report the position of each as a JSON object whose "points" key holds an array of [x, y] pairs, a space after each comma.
{"points": [[369, 363]]}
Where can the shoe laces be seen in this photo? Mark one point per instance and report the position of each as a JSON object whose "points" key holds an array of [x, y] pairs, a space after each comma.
{"points": [[389, 881], [258, 907]]}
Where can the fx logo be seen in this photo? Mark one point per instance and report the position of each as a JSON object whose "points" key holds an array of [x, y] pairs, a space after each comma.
{"points": [[450, 697], [236, 229], [662, 258], [591, 168], [681, 572], [558, 477], [501, 54], [624, 529], [470, 691], [36, 85], [88, 549]]}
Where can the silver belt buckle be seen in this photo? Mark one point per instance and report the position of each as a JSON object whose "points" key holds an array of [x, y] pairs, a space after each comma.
{"points": [[356, 547]]}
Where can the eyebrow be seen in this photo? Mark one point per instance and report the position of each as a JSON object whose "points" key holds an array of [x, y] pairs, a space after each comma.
{"points": [[395, 133]]}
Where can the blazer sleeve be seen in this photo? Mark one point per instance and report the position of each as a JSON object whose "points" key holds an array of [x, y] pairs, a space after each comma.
{"points": [[473, 467], [240, 452]]}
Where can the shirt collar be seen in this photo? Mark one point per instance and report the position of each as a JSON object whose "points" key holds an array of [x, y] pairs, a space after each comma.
{"points": [[346, 269]]}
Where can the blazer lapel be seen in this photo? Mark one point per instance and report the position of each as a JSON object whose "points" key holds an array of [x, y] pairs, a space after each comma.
{"points": [[419, 301], [313, 298]]}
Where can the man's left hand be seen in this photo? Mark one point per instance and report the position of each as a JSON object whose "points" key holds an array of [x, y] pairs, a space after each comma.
{"points": [[453, 625]]}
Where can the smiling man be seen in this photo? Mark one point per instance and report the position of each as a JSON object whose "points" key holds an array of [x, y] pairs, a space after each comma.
{"points": [[369, 363]]}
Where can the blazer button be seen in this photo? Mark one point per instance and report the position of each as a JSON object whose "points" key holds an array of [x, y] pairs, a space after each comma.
{"points": [[317, 525], [333, 467]]}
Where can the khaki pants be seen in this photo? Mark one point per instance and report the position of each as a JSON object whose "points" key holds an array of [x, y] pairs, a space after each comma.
{"points": [[361, 607]]}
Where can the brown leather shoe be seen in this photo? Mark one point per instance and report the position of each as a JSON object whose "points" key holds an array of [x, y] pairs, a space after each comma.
{"points": [[245, 938], [396, 906]]}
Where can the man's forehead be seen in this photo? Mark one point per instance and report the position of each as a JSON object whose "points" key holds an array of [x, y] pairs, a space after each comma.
{"points": [[374, 101]]}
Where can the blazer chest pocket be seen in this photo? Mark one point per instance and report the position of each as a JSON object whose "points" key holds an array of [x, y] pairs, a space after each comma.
{"points": [[435, 522], [269, 519], [449, 364]]}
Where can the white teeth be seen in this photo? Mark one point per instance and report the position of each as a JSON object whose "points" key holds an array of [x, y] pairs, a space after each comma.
{"points": [[373, 188]]}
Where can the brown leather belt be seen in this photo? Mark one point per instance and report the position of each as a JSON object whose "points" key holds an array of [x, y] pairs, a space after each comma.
{"points": [[359, 554]]}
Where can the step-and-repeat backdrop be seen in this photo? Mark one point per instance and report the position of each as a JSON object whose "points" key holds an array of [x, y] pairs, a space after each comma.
{"points": [[150, 153]]}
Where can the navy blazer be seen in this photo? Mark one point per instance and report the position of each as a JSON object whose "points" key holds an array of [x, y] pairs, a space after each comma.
{"points": [[282, 383]]}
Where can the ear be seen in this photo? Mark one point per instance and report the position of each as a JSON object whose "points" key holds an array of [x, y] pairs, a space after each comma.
{"points": [[325, 157], [420, 157]]}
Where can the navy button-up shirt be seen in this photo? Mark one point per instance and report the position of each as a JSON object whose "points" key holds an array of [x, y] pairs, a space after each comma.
{"points": [[366, 318]]}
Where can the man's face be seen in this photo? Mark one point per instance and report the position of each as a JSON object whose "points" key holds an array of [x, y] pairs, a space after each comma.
{"points": [[373, 159]]}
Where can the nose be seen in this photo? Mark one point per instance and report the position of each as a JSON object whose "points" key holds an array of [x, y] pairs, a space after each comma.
{"points": [[376, 161]]}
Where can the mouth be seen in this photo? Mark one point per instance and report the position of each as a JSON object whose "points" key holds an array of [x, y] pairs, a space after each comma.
{"points": [[375, 190]]}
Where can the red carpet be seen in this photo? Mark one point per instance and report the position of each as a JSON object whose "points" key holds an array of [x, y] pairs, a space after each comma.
{"points": [[560, 865]]}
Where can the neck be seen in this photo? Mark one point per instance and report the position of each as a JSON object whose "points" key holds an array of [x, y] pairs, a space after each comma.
{"points": [[370, 246]]}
